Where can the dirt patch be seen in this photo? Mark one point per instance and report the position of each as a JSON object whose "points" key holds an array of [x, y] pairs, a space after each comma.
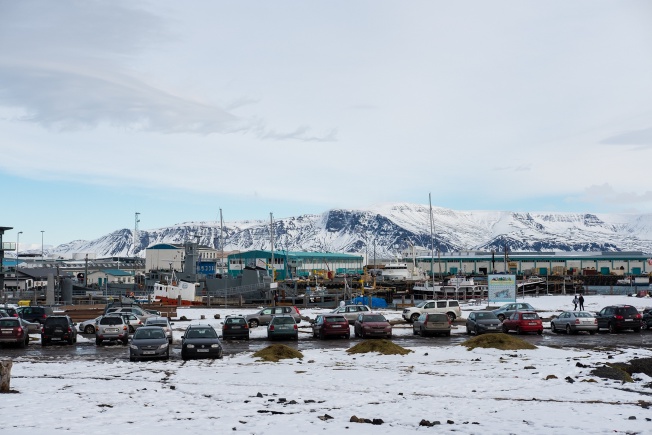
{"points": [[497, 341], [624, 371], [277, 352], [384, 347], [611, 371]]}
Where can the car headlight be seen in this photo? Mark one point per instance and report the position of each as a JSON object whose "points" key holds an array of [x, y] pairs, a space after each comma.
{"points": [[190, 346], [163, 346], [215, 345], [133, 346]]}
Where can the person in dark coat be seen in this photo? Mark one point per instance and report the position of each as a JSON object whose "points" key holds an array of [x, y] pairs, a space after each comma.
{"points": [[581, 301]]}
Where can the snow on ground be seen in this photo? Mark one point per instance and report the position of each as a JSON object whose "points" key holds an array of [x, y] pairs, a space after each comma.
{"points": [[484, 391]]}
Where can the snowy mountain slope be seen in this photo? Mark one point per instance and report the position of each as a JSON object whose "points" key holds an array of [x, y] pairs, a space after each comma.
{"points": [[392, 227]]}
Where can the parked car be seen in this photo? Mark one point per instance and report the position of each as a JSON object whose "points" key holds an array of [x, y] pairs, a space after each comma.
{"points": [[351, 312], [327, 325], [10, 310], [523, 321], [134, 309], [480, 322], [89, 326], [112, 328], [647, 318], [164, 323], [264, 316], [283, 326], [131, 319], [618, 317], [507, 310], [201, 341], [372, 325], [446, 306], [12, 331], [35, 313], [432, 324], [59, 329], [235, 326], [149, 342], [574, 321]]}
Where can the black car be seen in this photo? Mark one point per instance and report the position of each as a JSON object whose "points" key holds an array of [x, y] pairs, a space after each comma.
{"points": [[618, 317], [201, 341], [149, 342], [58, 329], [235, 327], [35, 314], [647, 318], [479, 322], [11, 312]]}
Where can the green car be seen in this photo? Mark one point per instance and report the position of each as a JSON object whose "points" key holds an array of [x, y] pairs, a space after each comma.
{"points": [[283, 326]]}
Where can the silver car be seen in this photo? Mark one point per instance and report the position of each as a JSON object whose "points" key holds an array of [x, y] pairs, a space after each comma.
{"points": [[351, 312], [112, 328], [264, 316], [89, 326], [164, 323], [432, 324], [574, 321]]}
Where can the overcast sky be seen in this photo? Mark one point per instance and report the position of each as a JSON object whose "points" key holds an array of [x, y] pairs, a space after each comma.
{"points": [[177, 109]]}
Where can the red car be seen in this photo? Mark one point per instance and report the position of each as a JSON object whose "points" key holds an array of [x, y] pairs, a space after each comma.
{"points": [[523, 321], [11, 331], [326, 325]]}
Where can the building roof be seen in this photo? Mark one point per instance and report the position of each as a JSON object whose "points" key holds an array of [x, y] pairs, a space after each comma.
{"points": [[117, 272], [298, 255]]}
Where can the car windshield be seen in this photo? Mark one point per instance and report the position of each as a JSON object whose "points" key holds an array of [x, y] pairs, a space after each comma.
{"points": [[374, 318], [145, 334], [485, 316], [157, 323], [111, 320], [438, 318], [9, 323], [201, 333], [530, 316], [283, 320], [61, 321], [583, 314], [421, 304], [237, 320], [334, 319], [630, 310]]}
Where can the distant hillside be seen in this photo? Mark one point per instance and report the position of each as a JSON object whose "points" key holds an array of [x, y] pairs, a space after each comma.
{"points": [[391, 227]]}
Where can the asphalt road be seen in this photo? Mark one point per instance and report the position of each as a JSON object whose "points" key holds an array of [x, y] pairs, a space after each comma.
{"points": [[87, 350]]}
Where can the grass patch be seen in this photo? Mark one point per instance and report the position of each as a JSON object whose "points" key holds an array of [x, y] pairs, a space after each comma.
{"points": [[277, 352], [384, 347], [497, 341]]}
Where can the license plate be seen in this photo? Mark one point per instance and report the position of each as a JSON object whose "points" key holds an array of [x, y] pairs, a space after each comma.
{"points": [[148, 352], [533, 323], [629, 320], [337, 326], [7, 331], [112, 330], [202, 350], [235, 327], [55, 338], [58, 330]]}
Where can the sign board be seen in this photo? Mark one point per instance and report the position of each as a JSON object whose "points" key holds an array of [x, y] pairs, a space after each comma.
{"points": [[8, 246], [502, 288]]}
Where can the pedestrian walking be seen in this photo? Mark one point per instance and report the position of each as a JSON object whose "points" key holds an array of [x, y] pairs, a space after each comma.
{"points": [[575, 301], [581, 301]]}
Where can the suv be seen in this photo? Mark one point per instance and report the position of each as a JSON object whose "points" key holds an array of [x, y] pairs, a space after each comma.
{"points": [[35, 314], [112, 328], [447, 306], [264, 316], [647, 318], [506, 311], [351, 311], [331, 324], [235, 326], [432, 324], [12, 331], [619, 317], [58, 328]]}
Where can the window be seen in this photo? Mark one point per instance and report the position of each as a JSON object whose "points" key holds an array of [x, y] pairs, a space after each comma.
{"points": [[441, 304]]}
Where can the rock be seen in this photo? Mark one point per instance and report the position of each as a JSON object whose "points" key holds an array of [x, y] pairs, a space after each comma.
{"points": [[450, 422], [569, 379], [259, 395], [325, 417], [579, 364], [217, 316], [530, 368], [282, 400], [425, 422], [632, 417], [550, 377], [377, 421], [172, 387], [354, 419]]}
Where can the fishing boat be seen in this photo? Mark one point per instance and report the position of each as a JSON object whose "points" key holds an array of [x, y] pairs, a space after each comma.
{"points": [[174, 291]]}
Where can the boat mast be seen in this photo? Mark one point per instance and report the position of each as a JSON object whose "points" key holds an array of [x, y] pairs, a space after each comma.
{"points": [[432, 246], [271, 232]]}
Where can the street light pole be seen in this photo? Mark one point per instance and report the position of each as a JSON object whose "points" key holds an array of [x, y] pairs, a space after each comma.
{"points": [[17, 248], [42, 256]]}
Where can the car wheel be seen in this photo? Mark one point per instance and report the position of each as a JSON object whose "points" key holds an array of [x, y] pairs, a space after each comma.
{"points": [[568, 330], [592, 332], [355, 334], [448, 334], [422, 332], [348, 336], [612, 328], [125, 341], [476, 330], [501, 317], [184, 356], [389, 336], [414, 331], [540, 331], [451, 316], [322, 336], [414, 317], [44, 342], [131, 329], [89, 329], [221, 355], [27, 341], [253, 323], [132, 359], [552, 327], [505, 330], [518, 330], [23, 343], [98, 342], [167, 354], [70, 341], [468, 331], [637, 329]]}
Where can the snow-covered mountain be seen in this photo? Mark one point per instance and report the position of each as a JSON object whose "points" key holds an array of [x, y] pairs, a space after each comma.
{"points": [[392, 228]]}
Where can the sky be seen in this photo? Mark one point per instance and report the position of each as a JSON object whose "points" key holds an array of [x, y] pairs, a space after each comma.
{"points": [[176, 110], [507, 391]]}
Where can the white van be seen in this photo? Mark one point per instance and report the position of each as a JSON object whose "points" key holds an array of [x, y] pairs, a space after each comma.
{"points": [[449, 307]]}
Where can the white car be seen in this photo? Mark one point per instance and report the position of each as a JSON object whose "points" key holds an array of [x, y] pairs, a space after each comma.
{"points": [[351, 312], [89, 326], [449, 307]]}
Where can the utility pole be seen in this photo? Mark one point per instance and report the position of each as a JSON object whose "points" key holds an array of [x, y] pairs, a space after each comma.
{"points": [[271, 230]]}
